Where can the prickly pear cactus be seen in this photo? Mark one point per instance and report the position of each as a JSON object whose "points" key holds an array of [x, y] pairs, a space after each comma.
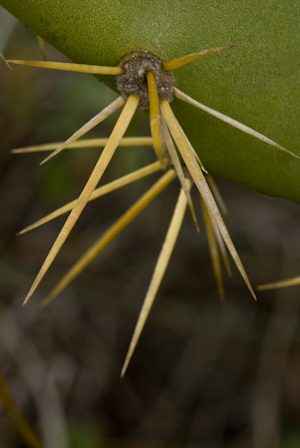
{"points": [[256, 83]]}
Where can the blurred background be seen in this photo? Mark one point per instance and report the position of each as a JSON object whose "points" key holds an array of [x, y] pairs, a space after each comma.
{"points": [[204, 374]]}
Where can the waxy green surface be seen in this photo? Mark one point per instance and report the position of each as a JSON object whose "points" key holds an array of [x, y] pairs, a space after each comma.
{"points": [[256, 83]]}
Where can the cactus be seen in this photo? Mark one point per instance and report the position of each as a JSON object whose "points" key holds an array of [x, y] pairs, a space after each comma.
{"points": [[254, 84]]}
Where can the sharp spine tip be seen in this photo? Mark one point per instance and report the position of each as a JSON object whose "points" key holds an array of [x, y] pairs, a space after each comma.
{"points": [[45, 160]]}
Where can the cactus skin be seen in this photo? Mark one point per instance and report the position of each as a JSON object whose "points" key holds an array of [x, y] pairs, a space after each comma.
{"points": [[256, 83]]}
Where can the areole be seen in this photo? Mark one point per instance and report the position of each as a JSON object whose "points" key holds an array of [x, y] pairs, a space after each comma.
{"points": [[133, 81]]}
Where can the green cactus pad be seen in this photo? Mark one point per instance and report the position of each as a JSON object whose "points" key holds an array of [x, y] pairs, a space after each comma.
{"points": [[256, 83]]}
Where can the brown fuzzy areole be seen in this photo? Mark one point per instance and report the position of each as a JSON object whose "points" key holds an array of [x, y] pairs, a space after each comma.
{"points": [[134, 80]]}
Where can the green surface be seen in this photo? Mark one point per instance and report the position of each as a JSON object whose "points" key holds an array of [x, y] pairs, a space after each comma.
{"points": [[257, 83]]}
